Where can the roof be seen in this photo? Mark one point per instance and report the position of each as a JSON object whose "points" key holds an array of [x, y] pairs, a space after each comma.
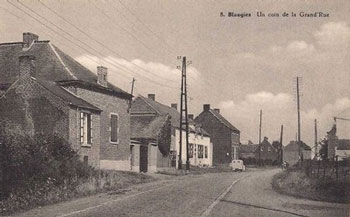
{"points": [[248, 148], [343, 144], [155, 107], [66, 95], [146, 127], [223, 120], [293, 146], [50, 62]]}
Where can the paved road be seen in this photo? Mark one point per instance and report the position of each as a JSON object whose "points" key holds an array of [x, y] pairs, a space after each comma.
{"points": [[226, 194]]}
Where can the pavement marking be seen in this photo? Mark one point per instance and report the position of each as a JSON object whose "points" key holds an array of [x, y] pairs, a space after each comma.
{"points": [[267, 208], [217, 200], [112, 201]]}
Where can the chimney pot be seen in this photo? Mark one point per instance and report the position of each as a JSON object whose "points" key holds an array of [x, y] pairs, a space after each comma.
{"points": [[26, 66], [217, 110], [152, 96], [190, 116], [174, 106], [206, 107], [29, 38], [102, 78]]}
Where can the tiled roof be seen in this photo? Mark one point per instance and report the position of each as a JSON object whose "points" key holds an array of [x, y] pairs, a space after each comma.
{"points": [[343, 144], [146, 127], [248, 148], [66, 95], [293, 146], [160, 109], [50, 62], [223, 120]]}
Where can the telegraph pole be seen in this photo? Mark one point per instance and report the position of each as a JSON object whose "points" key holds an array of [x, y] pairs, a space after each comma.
{"points": [[281, 140], [316, 144], [298, 111], [132, 85], [183, 114], [260, 134]]}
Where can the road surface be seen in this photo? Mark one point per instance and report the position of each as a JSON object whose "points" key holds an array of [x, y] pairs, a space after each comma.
{"points": [[245, 194]]}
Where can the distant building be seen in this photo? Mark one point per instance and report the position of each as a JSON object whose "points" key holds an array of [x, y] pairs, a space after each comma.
{"points": [[291, 152], [264, 152], [342, 150], [224, 136], [337, 147], [100, 126], [146, 110]]}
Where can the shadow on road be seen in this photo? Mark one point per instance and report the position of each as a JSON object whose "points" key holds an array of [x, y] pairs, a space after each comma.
{"points": [[261, 207]]}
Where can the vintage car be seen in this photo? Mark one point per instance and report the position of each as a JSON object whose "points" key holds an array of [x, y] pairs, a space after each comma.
{"points": [[237, 165]]}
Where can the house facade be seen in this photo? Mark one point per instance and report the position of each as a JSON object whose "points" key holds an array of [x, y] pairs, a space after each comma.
{"points": [[291, 152], [111, 127], [200, 148], [265, 152], [224, 136], [337, 147]]}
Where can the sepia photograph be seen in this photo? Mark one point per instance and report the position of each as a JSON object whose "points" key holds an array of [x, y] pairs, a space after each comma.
{"points": [[174, 108]]}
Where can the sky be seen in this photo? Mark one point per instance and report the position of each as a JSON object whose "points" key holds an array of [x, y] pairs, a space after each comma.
{"points": [[240, 65]]}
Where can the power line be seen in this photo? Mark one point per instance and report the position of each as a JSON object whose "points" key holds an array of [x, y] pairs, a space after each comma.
{"points": [[58, 33], [95, 40]]}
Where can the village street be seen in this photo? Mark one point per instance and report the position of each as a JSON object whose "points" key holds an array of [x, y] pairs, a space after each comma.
{"points": [[197, 195]]}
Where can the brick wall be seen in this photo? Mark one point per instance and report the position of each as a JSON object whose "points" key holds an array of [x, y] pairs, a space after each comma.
{"points": [[112, 156], [220, 137]]}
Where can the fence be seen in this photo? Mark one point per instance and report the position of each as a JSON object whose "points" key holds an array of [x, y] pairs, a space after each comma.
{"points": [[328, 169]]}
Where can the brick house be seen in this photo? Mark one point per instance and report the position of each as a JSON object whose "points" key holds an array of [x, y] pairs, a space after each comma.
{"points": [[200, 147], [291, 152], [51, 64], [265, 152], [224, 136], [150, 143]]}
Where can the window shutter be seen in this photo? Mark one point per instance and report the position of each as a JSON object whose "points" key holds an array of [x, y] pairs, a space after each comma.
{"points": [[114, 128], [88, 128], [81, 127]]}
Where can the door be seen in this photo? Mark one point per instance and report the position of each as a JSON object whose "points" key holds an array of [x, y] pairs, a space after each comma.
{"points": [[143, 159]]}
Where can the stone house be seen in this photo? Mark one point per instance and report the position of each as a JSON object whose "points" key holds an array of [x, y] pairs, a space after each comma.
{"points": [[62, 72], [265, 152], [200, 147], [224, 136], [291, 152]]}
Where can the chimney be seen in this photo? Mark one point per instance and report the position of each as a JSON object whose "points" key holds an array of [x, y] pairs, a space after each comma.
{"points": [[102, 76], [174, 106], [152, 96], [190, 116], [26, 66], [29, 38], [217, 110], [206, 107]]}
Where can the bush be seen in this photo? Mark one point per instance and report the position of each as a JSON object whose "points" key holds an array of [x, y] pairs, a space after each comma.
{"points": [[37, 164]]}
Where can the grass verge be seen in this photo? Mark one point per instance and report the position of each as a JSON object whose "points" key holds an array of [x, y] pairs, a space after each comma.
{"points": [[296, 183], [105, 181]]}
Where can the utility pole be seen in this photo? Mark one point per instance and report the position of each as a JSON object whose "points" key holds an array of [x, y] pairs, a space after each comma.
{"points": [[132, 86], [298, 111], [260, 134], [281, 141], [183, 114], [316, 144]]}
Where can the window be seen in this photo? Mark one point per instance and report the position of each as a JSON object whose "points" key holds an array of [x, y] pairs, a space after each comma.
{"points": [[261, 148], [200, 151], [206, 152], [85, 128], [269, 149], [114, 128], [86, 160], [190, 153]]}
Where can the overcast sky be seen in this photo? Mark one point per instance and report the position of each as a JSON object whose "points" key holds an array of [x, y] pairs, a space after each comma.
{"points": [[240, 65]]}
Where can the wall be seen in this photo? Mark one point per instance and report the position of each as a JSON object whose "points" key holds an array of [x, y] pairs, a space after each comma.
{"points": [[112, 156], [220, 137], [291, 157], [93, 151]]}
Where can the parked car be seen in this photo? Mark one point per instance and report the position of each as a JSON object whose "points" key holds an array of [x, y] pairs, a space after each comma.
{"points": [[237, 165]]}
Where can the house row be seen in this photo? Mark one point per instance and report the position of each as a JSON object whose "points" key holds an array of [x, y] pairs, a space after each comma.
{"points": [[44, 90], [274, 153]]}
